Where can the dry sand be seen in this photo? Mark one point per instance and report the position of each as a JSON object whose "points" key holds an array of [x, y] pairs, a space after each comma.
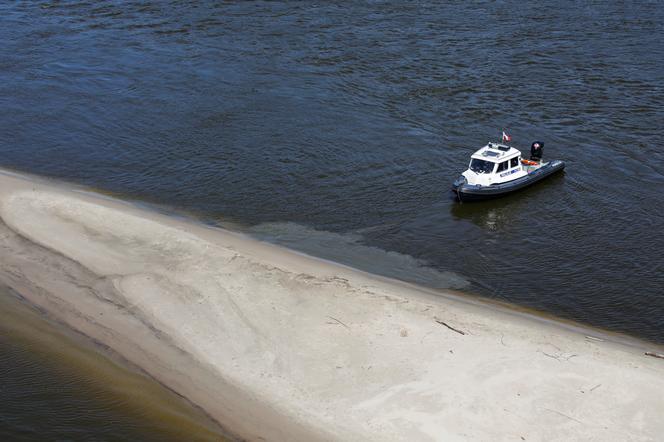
{"points": [[275, 345]]}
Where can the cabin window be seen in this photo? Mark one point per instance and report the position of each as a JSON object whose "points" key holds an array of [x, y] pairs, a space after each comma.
{"points": [[481, 166], [503, 166], [514, 162]]}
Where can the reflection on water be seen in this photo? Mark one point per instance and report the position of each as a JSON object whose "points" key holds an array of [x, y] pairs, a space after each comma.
{"points": [[497, 214], [57, 386]]}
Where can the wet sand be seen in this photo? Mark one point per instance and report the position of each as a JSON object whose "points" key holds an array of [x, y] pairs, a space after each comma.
{"points": [[276, 345]]}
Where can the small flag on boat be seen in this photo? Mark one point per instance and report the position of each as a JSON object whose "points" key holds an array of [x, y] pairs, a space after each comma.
{"points": [[506, 137]]}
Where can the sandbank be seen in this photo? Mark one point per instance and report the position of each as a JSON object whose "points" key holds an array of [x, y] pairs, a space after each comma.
{"points": [[276, 345]]}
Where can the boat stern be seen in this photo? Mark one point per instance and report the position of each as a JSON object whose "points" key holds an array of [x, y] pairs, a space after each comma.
{"points": [[459, 182]]}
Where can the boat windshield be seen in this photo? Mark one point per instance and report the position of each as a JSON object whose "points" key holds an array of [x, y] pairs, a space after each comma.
{"points": [[481, 166]]}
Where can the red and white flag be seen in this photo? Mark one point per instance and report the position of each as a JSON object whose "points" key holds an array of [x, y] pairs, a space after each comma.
{"points": [[506, 137]]}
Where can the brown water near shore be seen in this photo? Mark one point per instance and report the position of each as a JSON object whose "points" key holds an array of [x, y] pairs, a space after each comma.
{"points": [[82, 387]]}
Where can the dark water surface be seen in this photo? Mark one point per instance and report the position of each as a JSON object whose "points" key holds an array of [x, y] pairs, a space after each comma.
{"points": [[337, 128]]}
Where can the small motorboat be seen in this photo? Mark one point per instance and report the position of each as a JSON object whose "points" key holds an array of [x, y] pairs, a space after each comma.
{"points": [[498, 169]]}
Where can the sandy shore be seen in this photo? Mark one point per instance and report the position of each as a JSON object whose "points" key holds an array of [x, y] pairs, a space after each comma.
{"points": [[275, 345]]}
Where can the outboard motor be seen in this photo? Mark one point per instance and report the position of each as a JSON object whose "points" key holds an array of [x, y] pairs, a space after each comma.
{"points": [[536, 151]]}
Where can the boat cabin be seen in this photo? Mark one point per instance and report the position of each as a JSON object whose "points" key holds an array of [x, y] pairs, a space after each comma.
{"points": [[494, 164]]}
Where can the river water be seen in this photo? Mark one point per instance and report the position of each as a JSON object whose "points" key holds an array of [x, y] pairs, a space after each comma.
{"points": [[336, 128]]}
